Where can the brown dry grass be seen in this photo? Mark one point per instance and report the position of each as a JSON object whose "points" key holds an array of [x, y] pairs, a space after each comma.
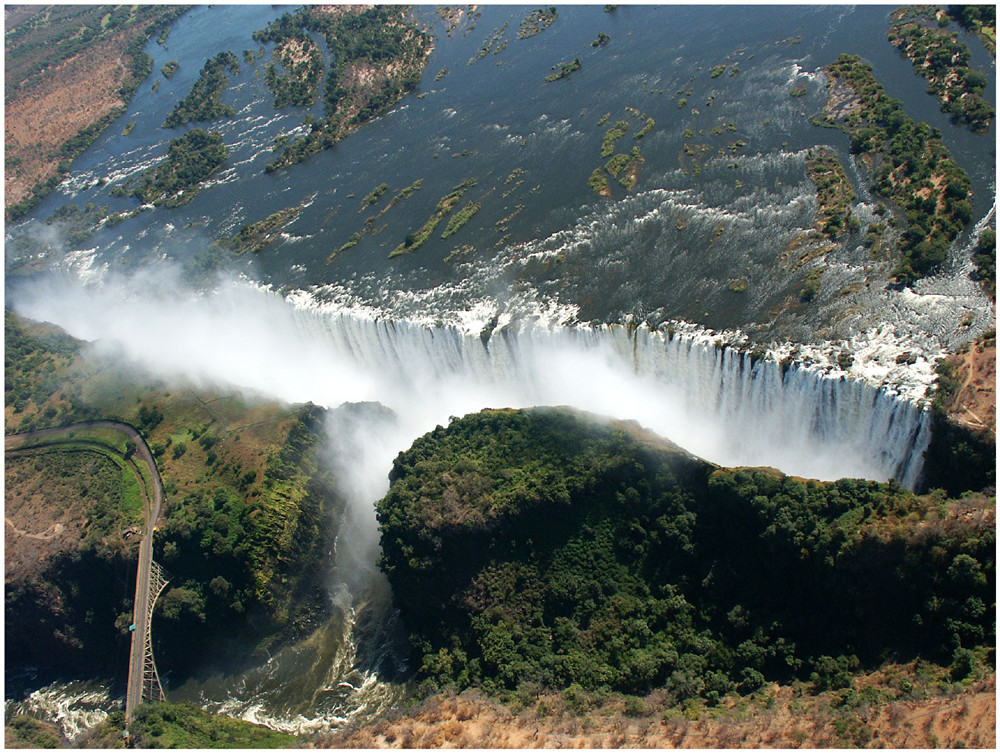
{"points": [[294, 51], [782, 718], [340, 10]]}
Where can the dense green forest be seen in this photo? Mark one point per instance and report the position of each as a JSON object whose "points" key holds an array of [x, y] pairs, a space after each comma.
{"points": [[541, 549], [911, 168]]}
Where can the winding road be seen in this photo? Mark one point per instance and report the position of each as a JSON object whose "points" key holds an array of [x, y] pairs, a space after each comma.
{"points": [[46, 438]]}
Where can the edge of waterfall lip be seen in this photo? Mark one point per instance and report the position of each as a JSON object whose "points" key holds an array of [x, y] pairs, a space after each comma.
{"points": [[879, 356]]}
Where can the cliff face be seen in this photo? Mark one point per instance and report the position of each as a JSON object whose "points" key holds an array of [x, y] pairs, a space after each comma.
{"points": [[542, 548], [962, 452]]}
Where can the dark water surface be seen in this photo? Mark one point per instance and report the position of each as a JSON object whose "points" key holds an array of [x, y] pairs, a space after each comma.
{"points": [[496, 117]]}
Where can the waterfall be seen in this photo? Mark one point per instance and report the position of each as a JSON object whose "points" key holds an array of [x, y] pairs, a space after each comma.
{"points": [[715, 401]]}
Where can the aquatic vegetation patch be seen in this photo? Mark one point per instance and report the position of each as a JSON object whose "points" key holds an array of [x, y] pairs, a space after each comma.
{"points": [[458, 220], [374, 196], [369, 226], [414, 241], [493, 43], [537, 22], [565, 69], [259, 235]]}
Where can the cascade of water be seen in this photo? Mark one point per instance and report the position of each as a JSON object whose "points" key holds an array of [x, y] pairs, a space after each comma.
{"points": [[719, 403], [715, 401]]}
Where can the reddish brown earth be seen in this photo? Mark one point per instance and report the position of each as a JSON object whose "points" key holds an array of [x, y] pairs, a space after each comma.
{"points": [[39, 120], [975, 403]]}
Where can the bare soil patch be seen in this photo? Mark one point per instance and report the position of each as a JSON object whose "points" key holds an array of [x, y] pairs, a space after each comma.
{"points": [[975, 403], [43, 518]]}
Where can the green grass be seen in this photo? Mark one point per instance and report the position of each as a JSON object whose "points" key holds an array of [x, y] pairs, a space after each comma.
{"points": [[183, 725], [458, 220], [133, 500], [112, 445]]}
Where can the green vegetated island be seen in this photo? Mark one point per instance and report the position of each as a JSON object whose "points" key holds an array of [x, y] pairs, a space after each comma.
{"points": [[204, 101], [907, 164], [922, 35], [377, 57]]}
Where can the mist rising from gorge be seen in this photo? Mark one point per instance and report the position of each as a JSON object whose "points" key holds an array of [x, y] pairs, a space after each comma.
{"points": [[712, 403]]}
